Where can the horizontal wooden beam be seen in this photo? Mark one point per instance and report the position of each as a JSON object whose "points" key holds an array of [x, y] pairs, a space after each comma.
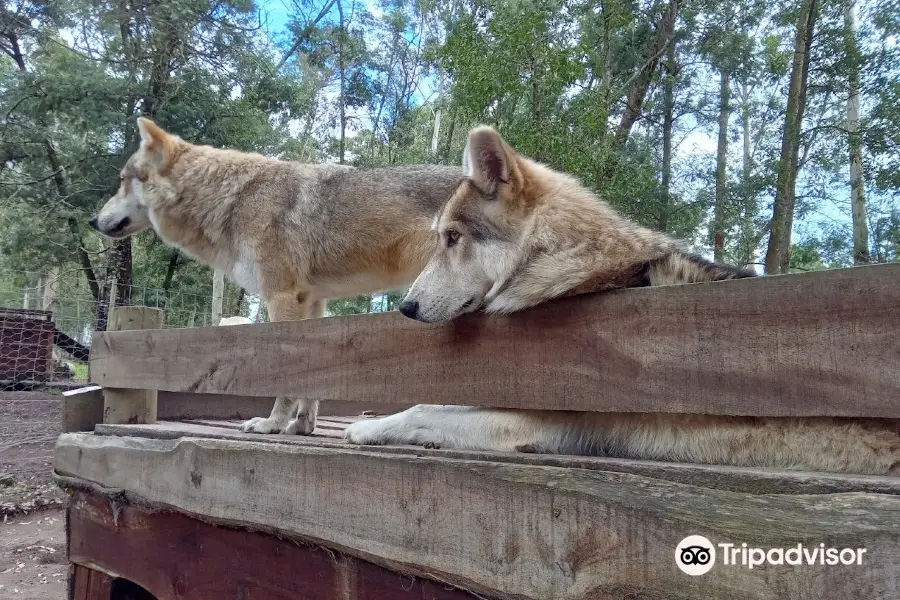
{"points": [[82, 409], [824, 343], [175, 557], [501, 529], [751, 480]]}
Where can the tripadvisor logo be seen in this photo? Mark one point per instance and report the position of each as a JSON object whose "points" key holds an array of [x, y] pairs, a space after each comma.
{"points": [[696, 555]]}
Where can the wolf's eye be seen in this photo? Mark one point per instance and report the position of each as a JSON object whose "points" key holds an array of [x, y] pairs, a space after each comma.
{"points": [[452, 237]]}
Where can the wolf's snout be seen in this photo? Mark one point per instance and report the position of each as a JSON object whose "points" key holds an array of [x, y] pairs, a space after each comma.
{"points": [[409, 308], [122, 224], [93, 224]]}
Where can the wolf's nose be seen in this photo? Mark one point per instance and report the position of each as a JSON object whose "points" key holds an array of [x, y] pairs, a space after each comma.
{"points": [[93, 223], [409, 308]]}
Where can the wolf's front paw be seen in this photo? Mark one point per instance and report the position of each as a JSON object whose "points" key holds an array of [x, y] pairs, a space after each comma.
{"points": [[370, 433], [302, 425], [262, 425]]}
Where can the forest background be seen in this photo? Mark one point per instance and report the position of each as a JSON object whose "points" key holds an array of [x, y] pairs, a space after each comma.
{"points": [[760, 134]]}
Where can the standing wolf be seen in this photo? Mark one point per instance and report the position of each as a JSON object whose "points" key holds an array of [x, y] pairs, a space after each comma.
{"points": [[515, 234], [295, 233]]}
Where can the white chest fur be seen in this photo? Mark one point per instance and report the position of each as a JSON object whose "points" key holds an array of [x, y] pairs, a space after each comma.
{"points": [[245, 272]]}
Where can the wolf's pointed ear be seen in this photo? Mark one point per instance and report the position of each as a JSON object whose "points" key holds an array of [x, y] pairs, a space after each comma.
{"points": [[158, 144], [486, 160], [152, 135]]}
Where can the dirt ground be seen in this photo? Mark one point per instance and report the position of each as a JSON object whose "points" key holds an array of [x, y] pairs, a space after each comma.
{"points": [[33, 564], [32, 536]]}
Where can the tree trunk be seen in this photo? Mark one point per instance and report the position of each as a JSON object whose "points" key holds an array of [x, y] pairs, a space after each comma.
{"points": [[436, 134], [748, 235], [218, 294], [655, 48], [445, 154], [662, 221], [61, 179], [857, 185], [778, 253], [721, 168], [119, 269], [537, 144], [343, 77], [84, 259], [50, 283], [14, 51], [170, 272], [376, 122]]}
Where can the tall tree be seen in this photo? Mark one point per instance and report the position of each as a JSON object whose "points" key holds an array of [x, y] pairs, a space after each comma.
{"points": [[655, 49], [720, 208], [662, 222], [859, 214], [342, 74], [778, 254]]}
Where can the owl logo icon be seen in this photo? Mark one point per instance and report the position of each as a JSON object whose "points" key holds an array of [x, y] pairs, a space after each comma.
{"points": [[695, 555]]}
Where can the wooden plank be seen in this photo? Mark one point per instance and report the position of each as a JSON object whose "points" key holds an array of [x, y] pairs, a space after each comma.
{"points": [[175, 557], [186, 405], [111, 303], [83, 408], [821, 343], [502, 529], [90, 584], [129, 405], [748, 480]]}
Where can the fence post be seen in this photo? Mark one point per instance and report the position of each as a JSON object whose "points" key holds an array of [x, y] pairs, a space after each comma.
{"points": [[125, 405], [217, 296]]}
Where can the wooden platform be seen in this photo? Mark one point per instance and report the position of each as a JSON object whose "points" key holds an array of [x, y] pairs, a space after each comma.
{"points": [[493, 525], [210, 512]]}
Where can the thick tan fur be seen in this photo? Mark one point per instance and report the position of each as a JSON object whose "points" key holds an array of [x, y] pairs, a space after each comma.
{"points": [[516, 234], [295, 233], [523, 233]]}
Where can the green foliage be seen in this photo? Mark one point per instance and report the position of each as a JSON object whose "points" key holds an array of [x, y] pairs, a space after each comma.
{"points": [[410, 78]]}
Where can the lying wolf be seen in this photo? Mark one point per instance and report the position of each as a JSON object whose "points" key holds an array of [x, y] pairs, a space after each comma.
{"points": [[515, 234], [295, 233]]}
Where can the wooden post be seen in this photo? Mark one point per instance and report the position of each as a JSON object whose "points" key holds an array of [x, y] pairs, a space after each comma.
{"points": [[49, 291], [125, 405], [218, 293], [111, 304]]}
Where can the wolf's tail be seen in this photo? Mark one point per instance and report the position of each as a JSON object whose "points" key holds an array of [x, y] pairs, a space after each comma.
{"points": [[684, 267]]}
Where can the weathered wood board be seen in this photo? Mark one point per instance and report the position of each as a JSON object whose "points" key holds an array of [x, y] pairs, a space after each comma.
{"points": [[90, 584], [178, 558], [131, 405], [748, 480], [823, 343], [503, 529]]}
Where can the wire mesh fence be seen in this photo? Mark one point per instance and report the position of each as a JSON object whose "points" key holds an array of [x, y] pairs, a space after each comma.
{"points": [[47, 319], [46, 323]]}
